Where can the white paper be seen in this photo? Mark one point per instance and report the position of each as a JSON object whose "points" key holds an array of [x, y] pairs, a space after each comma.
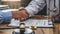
{"points": [[3, 6], [29, 22], [14, 23]]}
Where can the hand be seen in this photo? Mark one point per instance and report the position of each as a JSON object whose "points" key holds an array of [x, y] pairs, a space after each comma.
{"points": [[21, 14]]}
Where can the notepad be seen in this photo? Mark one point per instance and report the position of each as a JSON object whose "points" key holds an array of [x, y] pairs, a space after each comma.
{"points": [[29, 22]]}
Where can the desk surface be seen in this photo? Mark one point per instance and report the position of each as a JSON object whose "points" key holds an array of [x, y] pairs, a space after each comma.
{"points": [[55, 30], [38, 31]]}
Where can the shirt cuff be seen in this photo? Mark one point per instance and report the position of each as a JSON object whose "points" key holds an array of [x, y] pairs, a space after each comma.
{"points": [[29, 11], [7, 15]]}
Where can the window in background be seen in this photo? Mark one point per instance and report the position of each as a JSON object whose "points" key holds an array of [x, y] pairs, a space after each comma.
{"points": [[10, 0], [16, 3], [13, 4], [24, 3]]}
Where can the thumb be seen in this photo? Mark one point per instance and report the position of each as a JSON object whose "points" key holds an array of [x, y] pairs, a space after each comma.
{"points": [[21, 8]]}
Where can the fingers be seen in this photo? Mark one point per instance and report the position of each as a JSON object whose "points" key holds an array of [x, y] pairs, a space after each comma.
{"points": [[21, 8], [20, 15], [23, 17]]}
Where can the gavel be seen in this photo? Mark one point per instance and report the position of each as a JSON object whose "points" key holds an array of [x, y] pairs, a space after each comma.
{"points": [[22, 28]]}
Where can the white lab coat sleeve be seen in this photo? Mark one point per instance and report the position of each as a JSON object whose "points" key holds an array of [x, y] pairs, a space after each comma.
{"points": [[34, 6]]}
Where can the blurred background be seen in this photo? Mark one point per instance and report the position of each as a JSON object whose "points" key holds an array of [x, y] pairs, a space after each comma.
{"points": [[15, 4]]}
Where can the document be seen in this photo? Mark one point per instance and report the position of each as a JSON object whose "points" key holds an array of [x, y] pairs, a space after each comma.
{"points": [[29, 22]]}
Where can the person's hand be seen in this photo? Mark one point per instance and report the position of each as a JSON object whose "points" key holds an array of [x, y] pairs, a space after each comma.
{"points": [[21, 14]]}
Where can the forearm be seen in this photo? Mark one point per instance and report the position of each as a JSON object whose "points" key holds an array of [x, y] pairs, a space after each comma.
{"points": [[35, 6]]}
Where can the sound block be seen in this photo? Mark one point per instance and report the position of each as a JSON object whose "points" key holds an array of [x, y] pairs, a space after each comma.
{"points": [[27, 31]]}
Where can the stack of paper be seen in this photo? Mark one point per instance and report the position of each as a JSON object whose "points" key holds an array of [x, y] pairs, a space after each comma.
{"points": [[3, 7]]}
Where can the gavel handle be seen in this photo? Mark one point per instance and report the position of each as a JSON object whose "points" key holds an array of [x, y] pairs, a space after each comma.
{"points": [[21, 32]]}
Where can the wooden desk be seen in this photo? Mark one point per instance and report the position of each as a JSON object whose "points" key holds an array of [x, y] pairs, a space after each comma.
{"points": [[55, 30]]}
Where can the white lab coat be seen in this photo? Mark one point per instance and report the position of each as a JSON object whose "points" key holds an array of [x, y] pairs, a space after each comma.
{"points": [[37, 5]]}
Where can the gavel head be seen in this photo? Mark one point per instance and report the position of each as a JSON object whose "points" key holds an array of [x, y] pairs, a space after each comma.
{"points": [[22, 25]]}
